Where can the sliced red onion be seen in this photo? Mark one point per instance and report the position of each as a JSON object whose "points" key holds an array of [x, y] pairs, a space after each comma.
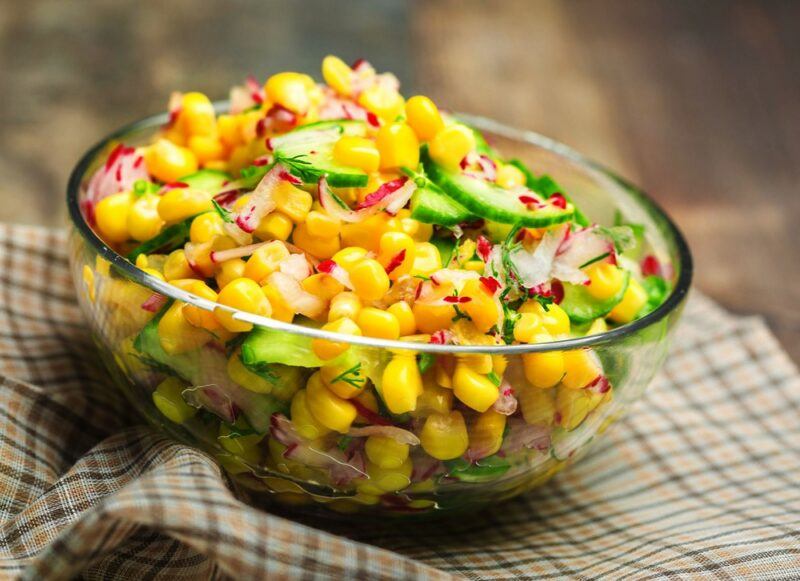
{"points": [[383, 190], [558, 200], [522, 435], [506, 402], [490, 283], [336, 271], [212, 398], [154, 303], [424, 467], [483, 248], [295, 297], [441, 337], [369, 415], [396, 261], [599, 385], [391, 201], [399, 434]]}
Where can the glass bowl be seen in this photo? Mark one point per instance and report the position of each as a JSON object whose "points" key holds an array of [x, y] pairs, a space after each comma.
{"points": [[267, 458]]}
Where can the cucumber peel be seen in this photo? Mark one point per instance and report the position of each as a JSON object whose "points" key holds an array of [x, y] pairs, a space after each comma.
{"points": [[546, 187], [583, 307], [209, 180], [431, 205]]}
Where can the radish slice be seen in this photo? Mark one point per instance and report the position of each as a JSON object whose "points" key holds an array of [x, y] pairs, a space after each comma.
{"points": [[397, 434], [124, 166], [295, 266], [174, 106], [387, 197], [295, 297], [487, 167], [336, 271], [222, 255], [213, 398], [238, 235], [154, 303], [262, 199], [583, 246], [506, 403], [523, 435]]}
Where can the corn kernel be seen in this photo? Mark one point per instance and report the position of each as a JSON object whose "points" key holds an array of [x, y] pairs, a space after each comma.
{"points": [[265, 260], [405, 318], [366, 234], [322, 285], [451, 145], [345, 304], [377, 323], [197, 115], [433, 400], [369, 279], [280, 310], [529, 328], [385, 452], [143, 220], [486, 434], [605, 280], [573, 405], [229, 270], [195, 315], [245, 448], [292, 201], [305, 423], [633, 301], [383, 480], [423, 117], [554, 318], [499, 364], [181, 203], [598, 326], [509, 177], [228, 130], [290, 90], [402, 383], [426, 259], [481, 309], [384, 101], [344, 377], [538, 405], [348, 257], [322, 225], [444, 436], [274, 226], [206, 227], [478, 362], [580, 369], [241, 375], [473, 389], [398, 146], [329, 409], [155, 273], [177, 266], [431, 318], [175, 333], [338, 75], [111, 215], [199, 255], [357, 152], [396, 253], [206, 148], [325, 349], [168, 162], [543, 370], [168, 398], [243, 294], [315, 246]]}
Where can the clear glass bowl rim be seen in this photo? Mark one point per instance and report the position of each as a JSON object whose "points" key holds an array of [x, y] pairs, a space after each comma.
{"points": [[137, 275]]}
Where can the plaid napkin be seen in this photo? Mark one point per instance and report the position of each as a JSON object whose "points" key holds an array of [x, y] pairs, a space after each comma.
{"points": [[702, 480]]}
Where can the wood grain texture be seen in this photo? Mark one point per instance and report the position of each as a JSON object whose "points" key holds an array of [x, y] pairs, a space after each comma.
{"points": [[698, 101]]}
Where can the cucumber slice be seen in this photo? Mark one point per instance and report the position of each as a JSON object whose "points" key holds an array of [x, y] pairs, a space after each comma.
{"points": [[583, 307], [167, 240], [490, 201], [307, 152], [446, 245], [266, 346], [483, 470], [431, 205], [547, 186], [209, 180]]}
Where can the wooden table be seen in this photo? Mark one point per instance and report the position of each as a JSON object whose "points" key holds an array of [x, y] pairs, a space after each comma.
{"points": [[697, 101]]}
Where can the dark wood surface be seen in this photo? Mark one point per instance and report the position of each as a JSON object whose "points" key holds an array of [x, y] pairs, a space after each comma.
{"points": [[698, 101]]}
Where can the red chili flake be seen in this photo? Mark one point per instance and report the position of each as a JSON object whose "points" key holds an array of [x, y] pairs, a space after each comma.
{"points": [[118, 173], [528, 200], [418, 291], [651, 266], [260, 161], [268, 143], [456, 299], [326, 266], [138, 162], [174, 186], [557, 290], [358, 63], [558, 200], [396, 261], [112, 157], [440, 337], [261, 127], [491, 283], [483, 248], [383, 191], [464, 163], [372, 119]]}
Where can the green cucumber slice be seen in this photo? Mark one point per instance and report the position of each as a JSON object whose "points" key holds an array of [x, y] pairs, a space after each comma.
{"points": [[483, 470], [266, 346], [167, 240], [209, 180], [547, 186], [583, 307], [307, 152], [431, 205], [490, 201]]}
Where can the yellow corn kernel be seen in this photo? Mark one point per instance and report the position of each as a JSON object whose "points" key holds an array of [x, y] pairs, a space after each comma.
{"points": [[111, 215], [366, 234], [181, 203], [423, 117], [367, 399], [229, 270], [168, 398], [402, 383], [554, 318], [419, 231], [605, 280], [573, 405], [240, 375], [451, 145], [486, 434], [200, 255], [443, 371], [197, 316], [509, 177], [529, 328], [369, 279], [228, 130], [499, 364], [481, 309], [197, 114], [538, 405], [244, 448], [305, 423], [143, 220], [265, 260], [291, 90], [315, 246], [325, 349], [292, 201], [398, 146], [405, 318], [348, 257], [345, 304], [386, 452], [241, 156], [580, 369], [433, 399], [274, 226], [598, 326], [384, 101], [357, 152], [478, 362], [344, 378], [175, 333], [243, 294], [632, 302], [155, 273], [322, 285], [426, 259], [383, 480], [206, 148], [396, 252], [473, 389], [338, 75], [177, 266], [377, 323], [322, 225], [168, 162], [280, 310], [543, 370], [431, 318], [328, 408], [444, 436], [206, 227]]}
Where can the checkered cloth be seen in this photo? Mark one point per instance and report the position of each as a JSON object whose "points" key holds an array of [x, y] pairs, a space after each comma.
{"points": [[702, 480]]}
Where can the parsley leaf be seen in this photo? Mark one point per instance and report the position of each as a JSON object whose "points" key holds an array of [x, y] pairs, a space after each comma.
{"points": [[262, 369], [223, 213]]}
